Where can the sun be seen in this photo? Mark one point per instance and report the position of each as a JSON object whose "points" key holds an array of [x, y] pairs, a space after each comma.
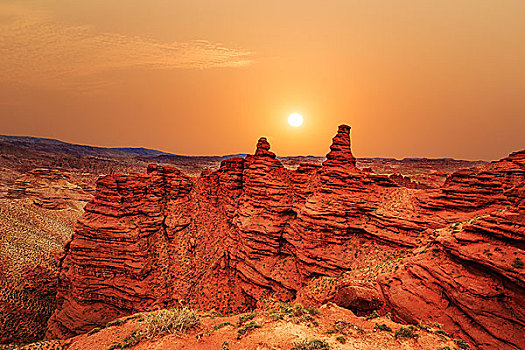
{"points": [[295, 120]]}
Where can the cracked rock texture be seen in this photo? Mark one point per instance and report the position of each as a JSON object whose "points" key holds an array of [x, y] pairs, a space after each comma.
{"points": [[254, 229]]}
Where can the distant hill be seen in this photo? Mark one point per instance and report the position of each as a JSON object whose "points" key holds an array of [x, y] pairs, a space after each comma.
{"points": [[57, 146], [141, 151], [23, 153]]}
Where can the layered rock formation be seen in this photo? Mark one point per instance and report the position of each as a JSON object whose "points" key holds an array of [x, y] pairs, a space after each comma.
{"points": [[254, 229], [471, 278], [50, 189]]}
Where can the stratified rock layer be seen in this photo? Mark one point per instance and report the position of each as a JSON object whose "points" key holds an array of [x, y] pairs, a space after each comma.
{"points": [[253, 229]]}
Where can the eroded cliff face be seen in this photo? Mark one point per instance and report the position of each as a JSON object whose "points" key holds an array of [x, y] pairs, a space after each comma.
{"points": [[471, 277], [253, 229]]}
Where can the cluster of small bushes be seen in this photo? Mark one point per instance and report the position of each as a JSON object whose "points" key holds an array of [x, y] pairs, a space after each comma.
{"points": [[373, 315], [383, 327], [156, 324], [169, 321], [406, 332], [246, 328], [461, 344], [517, 263], [246, 324], [341, 327], [315, 344], [220, 325], [297, 312]]}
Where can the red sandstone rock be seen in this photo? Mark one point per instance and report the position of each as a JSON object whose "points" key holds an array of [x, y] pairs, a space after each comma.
{"points": [[253, 228], [471, 281], [407, 182], [340, 151], [50, 189]]}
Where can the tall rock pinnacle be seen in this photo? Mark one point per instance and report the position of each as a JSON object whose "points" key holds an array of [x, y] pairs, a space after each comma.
{"points": [[340, 151], [263, 148]]}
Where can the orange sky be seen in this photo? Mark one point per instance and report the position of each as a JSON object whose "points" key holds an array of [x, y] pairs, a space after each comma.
{"points": [[442, 78]]}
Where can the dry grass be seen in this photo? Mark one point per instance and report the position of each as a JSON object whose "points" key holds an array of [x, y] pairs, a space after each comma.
{"points": [[169, 321], [28, 237]]}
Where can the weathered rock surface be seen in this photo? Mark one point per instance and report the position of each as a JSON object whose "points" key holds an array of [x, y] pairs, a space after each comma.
{"points": [[253, 228], [29, 236], [50, 189], [472, 278]]}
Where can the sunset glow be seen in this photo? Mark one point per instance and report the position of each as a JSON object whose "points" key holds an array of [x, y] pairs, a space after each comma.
{"points": [[437, 79], [295, 120]]}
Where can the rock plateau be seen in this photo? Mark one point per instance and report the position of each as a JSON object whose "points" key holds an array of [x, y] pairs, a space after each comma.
{"points": [[254, 229]]}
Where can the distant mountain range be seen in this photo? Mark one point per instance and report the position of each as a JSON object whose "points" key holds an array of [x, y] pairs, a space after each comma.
{"points": [[57, 146]]}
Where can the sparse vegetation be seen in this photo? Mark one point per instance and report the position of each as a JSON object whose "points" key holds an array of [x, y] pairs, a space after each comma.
{"points": [[305, 318], [461, 344], [517, 263], [296, 313], [454, 225], [116, 322], [298, 310], [275, 316], [383, 327], [248, 327], [94, 330], [220, 325], [164, 322], [441, 332], [405, 333], [132, 339], [435, 324], [244, 318], [157, 324], [423, 326], [373, 315], [341, 327], [315, 344], [115, 345], [341, 339]]}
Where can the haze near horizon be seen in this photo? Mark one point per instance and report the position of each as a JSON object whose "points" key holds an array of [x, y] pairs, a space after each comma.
{"points": [[412, 78]]}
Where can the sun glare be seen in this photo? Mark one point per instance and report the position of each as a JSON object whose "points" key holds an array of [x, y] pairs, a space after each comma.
{"points": [[295, 120]]}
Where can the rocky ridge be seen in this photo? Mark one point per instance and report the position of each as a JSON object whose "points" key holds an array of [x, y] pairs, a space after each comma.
{"points": [[254, 229]]}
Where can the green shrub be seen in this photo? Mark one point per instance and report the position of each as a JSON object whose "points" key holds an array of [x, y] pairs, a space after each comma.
{"points": [[298, 310], [276, 316], [461, 344], [341, 339], [517, 263], [248, 327], [315, 344], [220, 325], [132, 339], [115, 345], [164, 322], [405, 332], [435, 325], [382, 327], [94, 330], [373, 315], [441, 332], [245, 318], [312, 310], [225, 346], [423, 326], [116, 322], [305, 318]]}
